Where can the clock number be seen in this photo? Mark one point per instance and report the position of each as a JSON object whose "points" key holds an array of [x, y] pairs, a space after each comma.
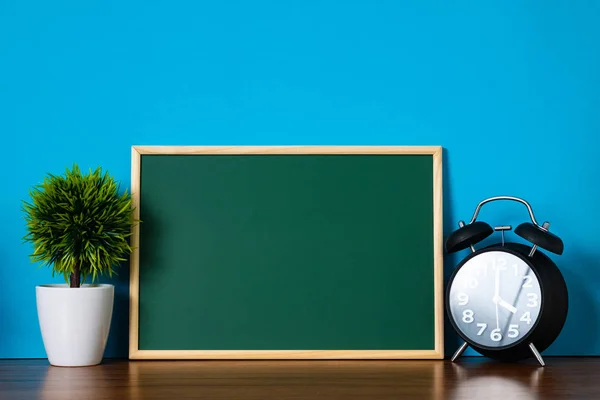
{"points": [[482, 326], [513, 331], [495, 335], [463, 299], [526, 317], [498, 263], [467, 316], [527, 280], [533, 300], [516, 268], [501, 264], [471, 283]]}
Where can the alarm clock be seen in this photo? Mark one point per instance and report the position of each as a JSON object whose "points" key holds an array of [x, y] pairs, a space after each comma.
{"points": [[508, 301]]}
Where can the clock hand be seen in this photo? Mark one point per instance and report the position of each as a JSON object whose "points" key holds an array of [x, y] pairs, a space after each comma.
{"points": [[497, 283], [507, 305], [497, 295], [497, 319]]}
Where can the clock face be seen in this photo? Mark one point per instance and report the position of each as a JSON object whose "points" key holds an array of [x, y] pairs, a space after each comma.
{"points": [[495, 299]]}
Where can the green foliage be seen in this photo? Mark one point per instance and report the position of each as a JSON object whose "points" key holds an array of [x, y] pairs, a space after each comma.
{"points": [[79, 223]]}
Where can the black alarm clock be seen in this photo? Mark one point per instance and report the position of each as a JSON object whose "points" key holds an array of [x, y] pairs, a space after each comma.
{"points": [[507, 301]]}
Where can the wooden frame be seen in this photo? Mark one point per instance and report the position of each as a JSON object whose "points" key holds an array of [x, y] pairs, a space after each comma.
{"points": [[437, 353]]}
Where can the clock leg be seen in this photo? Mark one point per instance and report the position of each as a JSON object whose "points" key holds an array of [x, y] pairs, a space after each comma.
{"points": [[537, 354], [460, 350]]}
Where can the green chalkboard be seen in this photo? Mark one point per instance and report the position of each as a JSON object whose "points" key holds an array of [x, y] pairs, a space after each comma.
{"points": [[253, 253]]}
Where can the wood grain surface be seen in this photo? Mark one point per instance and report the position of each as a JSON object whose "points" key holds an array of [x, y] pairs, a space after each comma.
{"points": [[471, 378]]}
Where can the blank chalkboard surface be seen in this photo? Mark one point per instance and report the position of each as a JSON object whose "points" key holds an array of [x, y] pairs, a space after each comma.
{"points": [[286, 252]]}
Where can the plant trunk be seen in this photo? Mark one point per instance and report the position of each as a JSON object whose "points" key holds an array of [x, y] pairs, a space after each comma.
{"points": [[75, 280]]}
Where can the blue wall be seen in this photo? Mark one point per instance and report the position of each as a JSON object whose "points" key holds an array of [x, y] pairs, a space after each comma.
{"points": [[510, 89]]}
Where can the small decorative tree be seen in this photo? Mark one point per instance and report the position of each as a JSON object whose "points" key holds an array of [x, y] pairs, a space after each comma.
{"points": [[79, 224]]}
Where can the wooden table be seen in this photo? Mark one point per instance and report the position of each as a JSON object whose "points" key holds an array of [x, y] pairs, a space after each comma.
{"points": [[471, 378]]}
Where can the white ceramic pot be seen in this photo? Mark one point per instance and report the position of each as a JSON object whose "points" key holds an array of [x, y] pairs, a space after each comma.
{"points": [[75, 322]]}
